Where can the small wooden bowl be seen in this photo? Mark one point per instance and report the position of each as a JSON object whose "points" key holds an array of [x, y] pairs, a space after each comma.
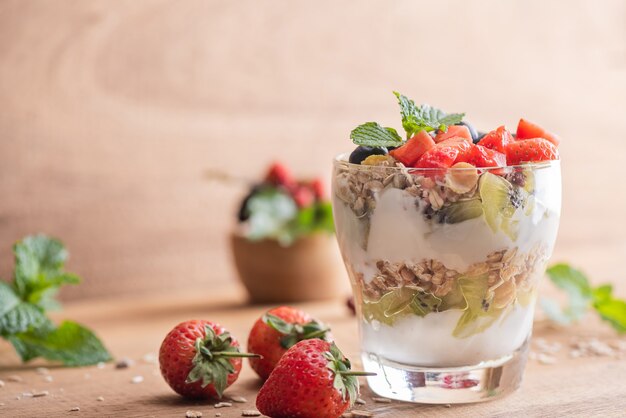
{"points": [[310, 269]]}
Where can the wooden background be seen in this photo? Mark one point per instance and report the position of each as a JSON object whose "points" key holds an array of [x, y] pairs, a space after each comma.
{"points": [[110, 112]]}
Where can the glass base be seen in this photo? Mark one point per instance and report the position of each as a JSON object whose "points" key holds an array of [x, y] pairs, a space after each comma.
{"points": [[481, 382]]}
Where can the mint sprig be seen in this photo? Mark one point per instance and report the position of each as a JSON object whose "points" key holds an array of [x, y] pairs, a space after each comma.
{"points": [[582, 296], [37, 277], [424, 117], [273, 214], [371, 134], [414, 119]]}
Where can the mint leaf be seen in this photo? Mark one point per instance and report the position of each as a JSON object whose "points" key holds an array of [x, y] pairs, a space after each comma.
{"points": [[21, 318], [371, 134], [39, 262], [578, 289], [8, 298], [609, 308], [70, 343], [424, 117], [37, 277]]}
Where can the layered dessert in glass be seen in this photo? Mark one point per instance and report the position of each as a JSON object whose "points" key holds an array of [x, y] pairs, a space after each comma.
{"points": [[445, 236]]}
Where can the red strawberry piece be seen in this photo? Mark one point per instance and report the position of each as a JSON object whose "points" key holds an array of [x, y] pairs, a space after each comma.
{"points": [[413, 149], [199, 359], [312, 380], [454, 131], [438, 157], [318, 189], [497, 139], [277, 331], [530, 150], [481, 156], [529, 130], [279, 175], [303, 196], [464, 146]]}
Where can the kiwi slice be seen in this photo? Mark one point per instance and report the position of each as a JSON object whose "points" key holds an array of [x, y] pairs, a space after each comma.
{"points": [[500, 201], [460, 211]]}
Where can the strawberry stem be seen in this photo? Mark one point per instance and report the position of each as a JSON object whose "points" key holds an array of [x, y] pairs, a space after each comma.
{"points": [[318, 333], [235, 354], [354, 373]]}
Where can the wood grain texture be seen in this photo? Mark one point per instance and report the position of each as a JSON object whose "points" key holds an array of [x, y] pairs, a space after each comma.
{"points": [[583, 387], [111, 112]]}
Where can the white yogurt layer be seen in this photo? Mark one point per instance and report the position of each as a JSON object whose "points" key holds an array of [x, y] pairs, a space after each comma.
{"points": [[399, 232], [428, 341]]}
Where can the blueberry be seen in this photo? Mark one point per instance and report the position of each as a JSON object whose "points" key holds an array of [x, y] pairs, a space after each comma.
{"points": [[244, 214], [479, 136], [361, 152], [475, 135]]}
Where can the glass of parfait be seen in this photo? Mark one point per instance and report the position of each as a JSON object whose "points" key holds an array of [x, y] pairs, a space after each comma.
{"points": [[444, 265]]}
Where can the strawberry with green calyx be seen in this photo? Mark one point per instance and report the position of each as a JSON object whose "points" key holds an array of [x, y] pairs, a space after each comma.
{"points": [[277, 331], [312, 380], [200, 359]]}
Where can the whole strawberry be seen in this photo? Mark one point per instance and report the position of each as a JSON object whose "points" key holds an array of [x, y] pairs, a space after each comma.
{"points": [[199, 359], [277, 331], [312, 380]]}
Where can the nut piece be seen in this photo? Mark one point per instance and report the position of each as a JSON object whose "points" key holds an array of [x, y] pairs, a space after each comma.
{"points": [[250, 413], [361, 414], [464, 180]]}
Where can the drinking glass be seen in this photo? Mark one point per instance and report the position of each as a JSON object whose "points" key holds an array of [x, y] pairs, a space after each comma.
{"points": [[444, 266]]}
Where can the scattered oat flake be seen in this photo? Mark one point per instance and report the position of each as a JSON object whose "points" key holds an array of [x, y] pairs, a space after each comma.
{"points": [[223, 405], [40, 394], [48, 378], [101, 365], [42, 370], [137, 379], [14, 378], [381, 400], [100, 398], [27, 394], [546, 358], [250, 413], [362, 414], [74, 409], [238, 399], [360, 401], [150, 358], [193, 414], [124, 363]]}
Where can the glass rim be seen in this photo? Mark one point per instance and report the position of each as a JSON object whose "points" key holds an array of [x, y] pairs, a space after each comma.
{"points": [[342, 159]]}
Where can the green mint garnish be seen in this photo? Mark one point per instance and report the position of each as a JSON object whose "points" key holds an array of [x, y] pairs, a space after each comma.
{"points": [[38, 275], [275, 215], [424, 117], [371, 134], [583, 296]]}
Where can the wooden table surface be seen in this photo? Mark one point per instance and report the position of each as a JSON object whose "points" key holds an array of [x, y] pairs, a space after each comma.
{"points": [[585, 387]]}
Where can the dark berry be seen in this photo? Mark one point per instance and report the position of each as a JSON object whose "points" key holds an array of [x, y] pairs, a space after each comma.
{"points": [[478, 137], [471, 129], [361, 152], [244, 214]]}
